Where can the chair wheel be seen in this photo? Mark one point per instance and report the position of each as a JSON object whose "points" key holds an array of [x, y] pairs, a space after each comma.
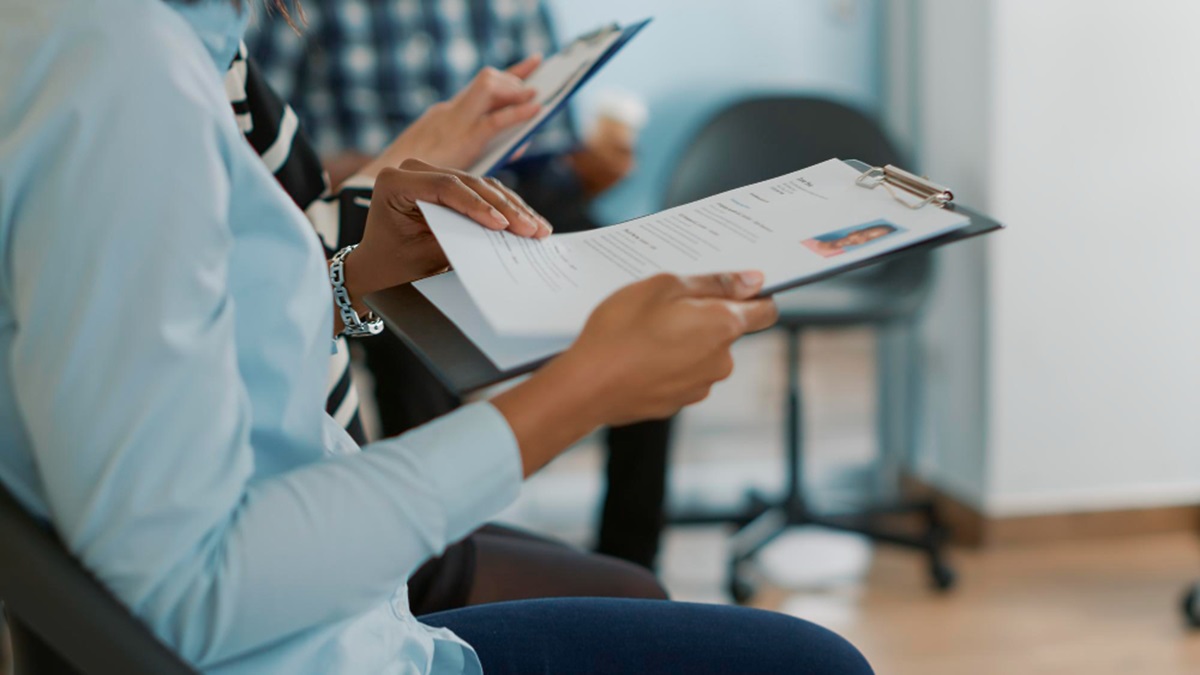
{"points": [[1191, 607], [740, 590], [944, 578]]}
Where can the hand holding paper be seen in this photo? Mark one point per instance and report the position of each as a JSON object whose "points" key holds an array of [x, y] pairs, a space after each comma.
{"points": [[647, 351], [454, 133], [555, 81], [397, 246]]}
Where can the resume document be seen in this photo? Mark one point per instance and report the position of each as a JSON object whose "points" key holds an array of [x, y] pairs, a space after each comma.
{"points": [[520, 299]]}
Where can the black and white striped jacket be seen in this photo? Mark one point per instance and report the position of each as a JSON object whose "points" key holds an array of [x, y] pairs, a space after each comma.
{"points": [[272, 129]]}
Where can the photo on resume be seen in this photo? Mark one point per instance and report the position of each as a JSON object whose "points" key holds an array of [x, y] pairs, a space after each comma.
{"points": [[849, 239]]}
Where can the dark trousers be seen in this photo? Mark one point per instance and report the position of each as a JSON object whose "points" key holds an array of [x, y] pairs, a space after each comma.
{"points": [[631, 523], [499, 564], [584, 636]]}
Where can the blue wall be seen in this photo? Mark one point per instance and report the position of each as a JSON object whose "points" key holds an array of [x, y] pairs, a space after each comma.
{"points": [[700, 55]]}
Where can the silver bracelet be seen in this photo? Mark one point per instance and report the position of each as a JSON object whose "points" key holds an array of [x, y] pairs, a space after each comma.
{"points": [[355, 326]]}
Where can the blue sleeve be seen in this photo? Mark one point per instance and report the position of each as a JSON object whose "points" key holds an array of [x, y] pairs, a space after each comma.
{"points": [[131, 394]]}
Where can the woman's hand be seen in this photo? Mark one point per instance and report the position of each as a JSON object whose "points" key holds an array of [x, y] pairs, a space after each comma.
{"points": [[647, 351], [454, 133], [661, 344], [397, 246]]}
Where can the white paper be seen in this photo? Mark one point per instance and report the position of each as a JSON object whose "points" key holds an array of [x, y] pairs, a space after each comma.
{"points": [[554, 80], [506, 352], [790, 228]]}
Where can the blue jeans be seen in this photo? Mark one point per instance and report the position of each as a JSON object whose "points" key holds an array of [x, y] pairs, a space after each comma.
{"points": [[580, 636]]}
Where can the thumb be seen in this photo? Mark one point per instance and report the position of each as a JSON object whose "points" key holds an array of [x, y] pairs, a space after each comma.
{"points": [[733, 286], [526, 67]]}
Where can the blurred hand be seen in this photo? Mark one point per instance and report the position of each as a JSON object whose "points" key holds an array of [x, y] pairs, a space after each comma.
{"points": [[397, 246], [660, 344], [455, 132], [606, 158], [340, 167]]}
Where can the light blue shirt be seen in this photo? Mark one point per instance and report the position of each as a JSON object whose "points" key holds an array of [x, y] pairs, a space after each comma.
{"points": [[165, 324]]}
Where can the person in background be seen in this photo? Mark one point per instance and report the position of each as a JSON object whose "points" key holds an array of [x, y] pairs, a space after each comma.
{"points": [[360, 73]]}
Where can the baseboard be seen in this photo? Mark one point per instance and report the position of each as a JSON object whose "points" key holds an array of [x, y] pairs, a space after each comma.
{"points": [[972, 528]]}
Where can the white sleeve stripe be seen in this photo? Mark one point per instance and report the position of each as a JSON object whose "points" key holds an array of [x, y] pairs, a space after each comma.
{"points": [[235, 82], [324, 218], [277, 154], [338, 363], [348, 407], [245, 122]]}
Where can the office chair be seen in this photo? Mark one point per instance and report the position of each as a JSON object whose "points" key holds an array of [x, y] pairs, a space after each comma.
{"points": [[62, 621], [763, 138], [1191, 606]]}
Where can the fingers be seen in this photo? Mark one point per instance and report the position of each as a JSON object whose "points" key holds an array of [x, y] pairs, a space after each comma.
{"points": [[526, 67], [733, 286], [756, 315], [453, 192], [547, 229], [728, 320], [523, 221], [508, 117], [495, 89], [419, 181], [728, 299], [478, 197]]}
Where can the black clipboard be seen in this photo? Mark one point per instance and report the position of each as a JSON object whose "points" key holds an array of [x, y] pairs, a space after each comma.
{"points": [[463, 368]]}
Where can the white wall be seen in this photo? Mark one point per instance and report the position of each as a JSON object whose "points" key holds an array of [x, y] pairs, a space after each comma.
{"points": [[1095, 326], [1078, 124], [937, 101], [700, 55]]}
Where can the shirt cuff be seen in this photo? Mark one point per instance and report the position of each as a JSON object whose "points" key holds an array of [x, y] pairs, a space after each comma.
{"points": [[474, 463]]}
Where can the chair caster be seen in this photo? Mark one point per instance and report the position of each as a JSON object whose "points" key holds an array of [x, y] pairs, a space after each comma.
{"points": [[943, 576], [1191, 607], [740, 590]]}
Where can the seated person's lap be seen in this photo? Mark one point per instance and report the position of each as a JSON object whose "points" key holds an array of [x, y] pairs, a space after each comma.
{"points": [[498, 563], [582, 636]]}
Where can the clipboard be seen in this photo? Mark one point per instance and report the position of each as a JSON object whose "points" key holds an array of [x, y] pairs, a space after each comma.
{"points": [[490, 162], [463, 368]]}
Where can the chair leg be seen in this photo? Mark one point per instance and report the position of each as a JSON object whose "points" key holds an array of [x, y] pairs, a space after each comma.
{"points": [[897, 406], [791, 508], [1191, 606], [794, 417]]}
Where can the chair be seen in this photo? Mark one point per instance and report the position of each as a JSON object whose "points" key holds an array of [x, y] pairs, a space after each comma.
{"points": [[1191, 606], [63, 622], [762, 138]]}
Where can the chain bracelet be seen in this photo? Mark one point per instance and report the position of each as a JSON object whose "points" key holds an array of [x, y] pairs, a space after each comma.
{"points": [[355, 326]]}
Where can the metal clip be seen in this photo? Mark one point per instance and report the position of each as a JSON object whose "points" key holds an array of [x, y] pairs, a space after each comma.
{"points": [[899, 183], [601, 32]]}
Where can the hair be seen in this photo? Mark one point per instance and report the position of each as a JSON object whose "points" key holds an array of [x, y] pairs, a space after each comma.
{"points": [[885, 226], [280, 6]]}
